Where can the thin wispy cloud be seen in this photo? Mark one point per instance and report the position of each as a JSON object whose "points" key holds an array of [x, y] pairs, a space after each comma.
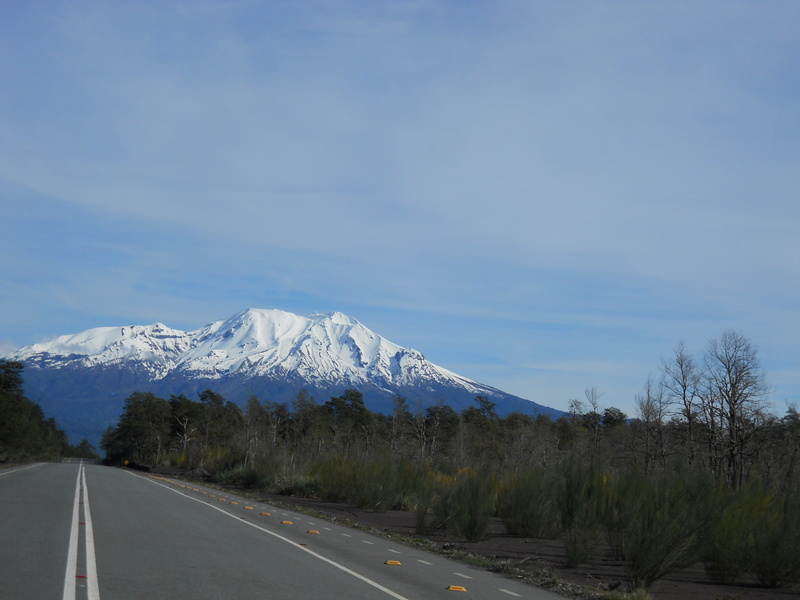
{"points": [[569, 184]]}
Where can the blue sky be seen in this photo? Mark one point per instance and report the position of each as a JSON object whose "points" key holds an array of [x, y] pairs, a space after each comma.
{"points": [[542, 196]]}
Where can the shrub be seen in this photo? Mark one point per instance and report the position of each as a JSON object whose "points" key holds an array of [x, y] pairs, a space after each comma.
{"points": [[660, 529], [525, 503], [579, 498], [473, 502], [464, 504], [775, 537], [724, 551]]}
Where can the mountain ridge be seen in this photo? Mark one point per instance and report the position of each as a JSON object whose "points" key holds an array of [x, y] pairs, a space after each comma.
{"points": [[83, 378]]}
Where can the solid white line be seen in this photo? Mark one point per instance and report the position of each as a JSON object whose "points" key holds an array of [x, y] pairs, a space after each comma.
{"points": [[333, 563], [93, 592], [6, 472], [72, 554]]}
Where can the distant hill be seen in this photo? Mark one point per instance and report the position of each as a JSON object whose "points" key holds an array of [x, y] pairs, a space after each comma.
{"points": [[83, 379]]}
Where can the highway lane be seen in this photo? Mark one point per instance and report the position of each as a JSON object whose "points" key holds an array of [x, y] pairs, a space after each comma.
{"points": [[35, 518], [158, 538]]}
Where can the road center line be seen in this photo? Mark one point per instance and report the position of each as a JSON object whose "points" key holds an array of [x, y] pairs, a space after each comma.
{"points": [[72, 553], [93, 590], [333, 563], [71, 573]]}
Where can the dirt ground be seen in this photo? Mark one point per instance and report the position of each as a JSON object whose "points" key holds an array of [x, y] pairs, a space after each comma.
{"points": [[547, 555], [541, 558]]}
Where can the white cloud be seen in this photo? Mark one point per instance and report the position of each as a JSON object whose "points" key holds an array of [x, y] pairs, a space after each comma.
{"points": [[626, 166]]}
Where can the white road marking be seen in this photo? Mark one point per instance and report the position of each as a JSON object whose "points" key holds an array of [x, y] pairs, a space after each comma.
{"points": [[6, 472], [347, 535], [72, 554], [368, 542], [93, 591], [462, 575], [71, 574], [395, 551], [509, 593], [305, 549], [424, 562]]}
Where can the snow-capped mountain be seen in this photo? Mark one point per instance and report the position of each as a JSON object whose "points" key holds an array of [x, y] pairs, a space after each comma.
{"points": [[83, 379]]}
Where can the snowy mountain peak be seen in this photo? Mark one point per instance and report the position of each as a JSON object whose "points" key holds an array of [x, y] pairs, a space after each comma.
{"points": [[332, 348], [84, 378]]}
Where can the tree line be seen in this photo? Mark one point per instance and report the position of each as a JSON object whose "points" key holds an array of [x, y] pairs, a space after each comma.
{"points": [[25, 432], [702, 472]]}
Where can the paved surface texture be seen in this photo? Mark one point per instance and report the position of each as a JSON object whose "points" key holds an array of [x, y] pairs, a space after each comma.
{"points": [[160, 538]]}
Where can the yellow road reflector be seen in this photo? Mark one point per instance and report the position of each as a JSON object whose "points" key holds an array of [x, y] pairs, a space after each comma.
{"points": [[234, 503], [211, 496], [456, 588], [221, 499], [265, 514], [206, 493], [286, 522], [314, 531], [248, 508], [393, 562]]}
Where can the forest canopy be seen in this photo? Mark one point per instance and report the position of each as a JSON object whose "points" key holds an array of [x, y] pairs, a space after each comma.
{"points": [[25, 432]]}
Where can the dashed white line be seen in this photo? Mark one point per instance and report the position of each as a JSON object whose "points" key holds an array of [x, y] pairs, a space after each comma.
{"points": [[509, 593], [462, 575], [395, 551], [424, 562], [367, 542], [347, 535]]}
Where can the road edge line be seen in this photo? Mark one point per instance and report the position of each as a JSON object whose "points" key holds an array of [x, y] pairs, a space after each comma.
{"points": [[331, 562]]}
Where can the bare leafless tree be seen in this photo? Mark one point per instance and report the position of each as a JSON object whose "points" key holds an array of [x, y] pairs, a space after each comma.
{"points": [[680, 377], [735, 394], [652, 406]]}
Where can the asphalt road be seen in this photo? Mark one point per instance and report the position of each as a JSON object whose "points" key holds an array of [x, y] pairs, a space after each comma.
{"points": [[89, 532]]}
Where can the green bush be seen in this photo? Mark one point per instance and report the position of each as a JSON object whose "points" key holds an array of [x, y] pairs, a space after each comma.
{"points": [[525, 503], [660, 529], [580, 499], [774, 560], [725, 544], [464, 504]]}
